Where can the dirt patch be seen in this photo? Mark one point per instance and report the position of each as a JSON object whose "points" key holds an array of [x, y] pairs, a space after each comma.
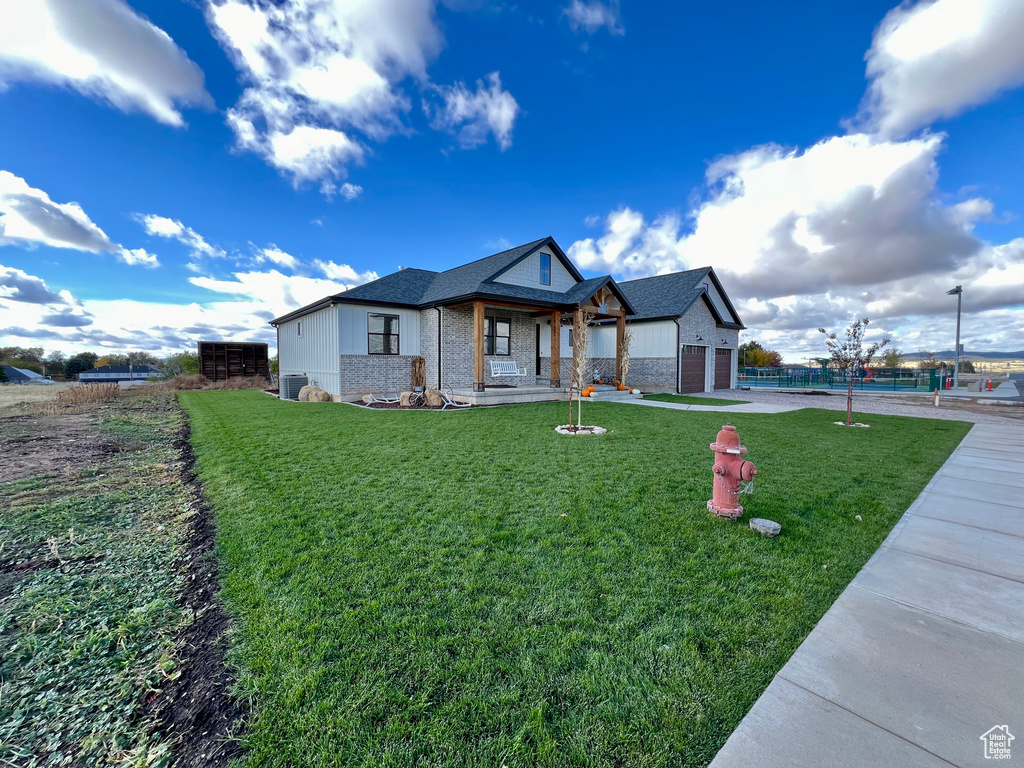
{"points": [[48, 445], [196, 710]]}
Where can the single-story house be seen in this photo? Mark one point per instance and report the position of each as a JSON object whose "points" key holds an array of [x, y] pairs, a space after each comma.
{"points": [[24, 376], [516, 307], [108, 373]]}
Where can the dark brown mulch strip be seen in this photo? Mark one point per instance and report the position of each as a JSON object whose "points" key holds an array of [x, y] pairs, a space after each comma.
{"points": [[196, 710]]}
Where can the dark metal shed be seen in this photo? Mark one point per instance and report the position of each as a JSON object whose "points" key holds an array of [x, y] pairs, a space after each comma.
{"points": [[222, 360]]}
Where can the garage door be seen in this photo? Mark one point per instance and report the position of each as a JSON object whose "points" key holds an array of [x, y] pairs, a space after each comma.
{"points": [[723, 368], [691, 375]]}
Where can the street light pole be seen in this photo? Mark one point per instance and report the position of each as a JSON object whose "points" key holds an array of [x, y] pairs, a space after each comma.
{"points": [[958, 292]]}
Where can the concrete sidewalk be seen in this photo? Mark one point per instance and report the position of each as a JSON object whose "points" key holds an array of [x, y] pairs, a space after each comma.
{"points": [[745, 408], [923, 653]]}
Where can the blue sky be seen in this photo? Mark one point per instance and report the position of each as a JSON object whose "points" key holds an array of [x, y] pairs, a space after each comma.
{"points": [[232, 159]]}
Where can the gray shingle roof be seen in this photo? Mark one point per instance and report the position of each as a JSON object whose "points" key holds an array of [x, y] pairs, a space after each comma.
{"points": [[406, 286], [671, 295], [650, 297], [664, 295], [469, 278]]}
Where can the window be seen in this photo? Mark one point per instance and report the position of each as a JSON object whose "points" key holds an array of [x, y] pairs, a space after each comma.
{"points": [[300, 327], [497, 333], [383, 334], [545, 269]]}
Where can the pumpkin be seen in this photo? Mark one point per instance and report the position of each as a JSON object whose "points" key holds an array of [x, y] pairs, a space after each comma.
{"points": [[615, 382], [622, 387], [585, 393], [600, 381]]}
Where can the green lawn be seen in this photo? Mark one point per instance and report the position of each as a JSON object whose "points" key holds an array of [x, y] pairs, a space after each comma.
{"points": [[471, 589], [692, 400]]}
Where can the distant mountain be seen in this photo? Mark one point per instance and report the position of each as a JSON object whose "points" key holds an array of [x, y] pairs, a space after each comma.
{"points": [[948, 355]]}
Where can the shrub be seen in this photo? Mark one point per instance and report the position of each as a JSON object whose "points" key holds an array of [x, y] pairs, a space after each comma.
{"points": [[87, 393], [189, 381], [241, 382]]}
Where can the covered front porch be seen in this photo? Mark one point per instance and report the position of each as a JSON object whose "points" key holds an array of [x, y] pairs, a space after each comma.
{"points": [[530, 393], [595, 303]]}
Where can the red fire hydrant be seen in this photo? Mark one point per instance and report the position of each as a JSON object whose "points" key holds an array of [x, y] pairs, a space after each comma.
{"points": [[729, 470]]}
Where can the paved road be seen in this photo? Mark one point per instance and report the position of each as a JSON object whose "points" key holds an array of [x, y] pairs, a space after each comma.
{"points": [[923, 652]]}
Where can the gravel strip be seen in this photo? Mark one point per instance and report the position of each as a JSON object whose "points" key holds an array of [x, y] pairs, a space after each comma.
{"points": [[889, 405]]}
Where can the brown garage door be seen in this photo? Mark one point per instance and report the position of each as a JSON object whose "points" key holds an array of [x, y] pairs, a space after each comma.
{"points": [[723, 368], [691, 374]]}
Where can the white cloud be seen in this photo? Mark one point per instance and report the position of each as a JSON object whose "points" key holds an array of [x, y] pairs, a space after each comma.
{"points": [[344, 273], [28, 217], [280, 293], [326, 76], [350, 191], [933, 60], [320, 69], [18, 285], [104, 50], [472, 115], [137, 256], [591, 16], [809, 239], [277, 256], [161, 226]]}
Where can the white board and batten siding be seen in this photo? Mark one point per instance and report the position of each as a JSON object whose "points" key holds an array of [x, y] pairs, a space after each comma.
{"points": [[656, 338], [354, 328], [314, 351], [527, 273]]}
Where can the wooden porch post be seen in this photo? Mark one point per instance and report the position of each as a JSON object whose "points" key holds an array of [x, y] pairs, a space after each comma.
{"points": [[478, 346], [556, 350], [620, 332]]}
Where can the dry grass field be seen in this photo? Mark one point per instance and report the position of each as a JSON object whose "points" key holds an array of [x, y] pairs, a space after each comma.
{"points": [[13, 396]]}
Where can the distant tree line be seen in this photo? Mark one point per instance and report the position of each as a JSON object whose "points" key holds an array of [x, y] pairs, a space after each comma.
{"points": [[57, 364], [754, 355]]}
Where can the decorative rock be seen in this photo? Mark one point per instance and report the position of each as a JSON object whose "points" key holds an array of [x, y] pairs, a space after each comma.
{"points": [[767, 528], [434, 398], [404, 399], [304, 393], [858, 518], [321, 396], [367, 399], [855, 424], [566, 429]]}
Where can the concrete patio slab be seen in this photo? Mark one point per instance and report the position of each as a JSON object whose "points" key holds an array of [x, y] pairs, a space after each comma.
{"points": [[799, 728], [936, 683], [986, 551], [1002, 518], [925, 583]]}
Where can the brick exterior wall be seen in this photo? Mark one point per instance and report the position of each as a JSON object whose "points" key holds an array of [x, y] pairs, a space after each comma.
{"points": [[652, 374], [428, 343], [362, 374], [457, 347]]}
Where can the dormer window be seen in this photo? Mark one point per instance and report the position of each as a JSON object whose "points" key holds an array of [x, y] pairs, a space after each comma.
{"points": [[545, 269]]}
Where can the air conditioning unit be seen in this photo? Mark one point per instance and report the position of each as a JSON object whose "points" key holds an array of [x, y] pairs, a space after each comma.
{"points": [[291, 384]]}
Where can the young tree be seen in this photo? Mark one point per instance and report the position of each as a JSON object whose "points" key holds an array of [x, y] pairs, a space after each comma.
{"points": [[182, 362], [627, 340], [580, 359], [850, 355], [3, 374], [893, 358]]}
